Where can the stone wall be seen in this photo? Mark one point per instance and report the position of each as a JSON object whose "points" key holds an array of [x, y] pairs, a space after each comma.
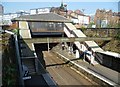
{"points": [[101, 32]]}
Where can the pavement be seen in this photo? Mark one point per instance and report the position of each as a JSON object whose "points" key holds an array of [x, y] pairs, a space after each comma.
{"points": [[100, 70]]}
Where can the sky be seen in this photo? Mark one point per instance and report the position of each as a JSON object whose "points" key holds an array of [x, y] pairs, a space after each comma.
{"points": [[89, 6]]}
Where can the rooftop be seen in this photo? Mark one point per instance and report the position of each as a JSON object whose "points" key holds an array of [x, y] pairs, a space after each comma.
{"points": [[47, 17], [116, 55], [93, 46]]}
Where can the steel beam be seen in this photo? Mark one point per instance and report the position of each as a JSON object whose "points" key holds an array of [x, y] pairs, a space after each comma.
{"points": [[61, 39]]}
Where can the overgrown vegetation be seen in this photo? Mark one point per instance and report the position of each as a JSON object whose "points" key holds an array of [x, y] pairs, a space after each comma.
{"points": [[117, 36], [9, 68], [16, 31], [113, 45], [91, 24], [83, 28]]}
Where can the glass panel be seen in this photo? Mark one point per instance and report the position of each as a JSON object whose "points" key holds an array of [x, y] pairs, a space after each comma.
{"points": [[46, 26]]}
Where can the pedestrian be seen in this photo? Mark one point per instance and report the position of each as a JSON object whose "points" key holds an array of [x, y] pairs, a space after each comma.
{"points": [[77, 54], [63, 46]]}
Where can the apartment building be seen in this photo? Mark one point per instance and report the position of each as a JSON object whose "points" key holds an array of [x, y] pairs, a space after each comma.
{"points": [[106, 18], [8, 16], [78, 18]]}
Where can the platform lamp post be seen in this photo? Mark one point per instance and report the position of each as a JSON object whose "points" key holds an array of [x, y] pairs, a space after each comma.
{"points": [[71, 43], [65, 10]]}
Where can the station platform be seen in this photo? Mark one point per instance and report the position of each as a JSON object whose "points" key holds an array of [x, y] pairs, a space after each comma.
{"points": [[103, 73]]}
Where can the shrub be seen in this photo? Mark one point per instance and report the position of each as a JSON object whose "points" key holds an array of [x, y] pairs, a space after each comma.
{"points": [[118, 35]]}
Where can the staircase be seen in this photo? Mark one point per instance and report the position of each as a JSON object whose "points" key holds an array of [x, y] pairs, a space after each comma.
{"points": [[27, 50], [71, 31]]}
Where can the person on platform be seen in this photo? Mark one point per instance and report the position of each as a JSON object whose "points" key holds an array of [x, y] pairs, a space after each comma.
{"points": [[63, 46]]}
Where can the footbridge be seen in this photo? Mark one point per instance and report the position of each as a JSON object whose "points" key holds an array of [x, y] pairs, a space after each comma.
{"points": [[96, 52]]}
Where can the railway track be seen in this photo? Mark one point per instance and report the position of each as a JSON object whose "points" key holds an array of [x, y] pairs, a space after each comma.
{"points": [[62, 73]]}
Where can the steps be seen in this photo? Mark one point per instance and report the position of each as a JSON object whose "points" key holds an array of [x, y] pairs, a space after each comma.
{"points": [[71, 31], [27, 50]]}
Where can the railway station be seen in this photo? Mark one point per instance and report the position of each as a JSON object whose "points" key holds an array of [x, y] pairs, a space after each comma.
{"points": [[50, 51], [50, 47]]}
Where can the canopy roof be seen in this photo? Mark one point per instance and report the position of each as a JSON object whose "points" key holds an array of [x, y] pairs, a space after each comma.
{"points": [[47, 17]]}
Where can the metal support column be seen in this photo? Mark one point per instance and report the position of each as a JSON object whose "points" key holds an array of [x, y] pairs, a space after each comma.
{"points": [[48, 44]]}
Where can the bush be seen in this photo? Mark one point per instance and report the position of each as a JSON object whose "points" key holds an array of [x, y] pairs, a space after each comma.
{"points": [[83, 28], [16, 31], [118, 35]]}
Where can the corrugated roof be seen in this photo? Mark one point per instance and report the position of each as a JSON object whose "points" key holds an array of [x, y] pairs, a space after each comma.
{"points": [[52, 17]]}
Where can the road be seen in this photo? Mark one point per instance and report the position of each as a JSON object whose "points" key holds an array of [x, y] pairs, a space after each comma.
{"points": [[62, 73]]}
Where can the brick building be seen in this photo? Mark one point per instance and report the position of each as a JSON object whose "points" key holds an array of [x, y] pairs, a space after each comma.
{"points": [[79, 18], [106, 18]]}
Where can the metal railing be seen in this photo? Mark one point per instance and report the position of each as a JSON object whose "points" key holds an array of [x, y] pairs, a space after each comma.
{"points": [[21, 82]]}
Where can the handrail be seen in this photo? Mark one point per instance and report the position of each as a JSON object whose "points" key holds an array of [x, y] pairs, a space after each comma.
{"points": [[21, 82]]}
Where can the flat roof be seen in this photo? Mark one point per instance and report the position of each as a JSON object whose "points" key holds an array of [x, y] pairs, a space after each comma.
{"points": [[79, 33], [93, 46], [70, 26], [47, 17], [117, 55]]}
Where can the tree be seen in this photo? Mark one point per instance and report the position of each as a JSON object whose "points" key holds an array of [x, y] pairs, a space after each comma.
{"points": [[91, 24]]}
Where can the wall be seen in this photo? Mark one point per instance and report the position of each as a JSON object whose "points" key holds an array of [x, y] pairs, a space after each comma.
{"points": [[110, 61], [101, 32], [84, 19]]}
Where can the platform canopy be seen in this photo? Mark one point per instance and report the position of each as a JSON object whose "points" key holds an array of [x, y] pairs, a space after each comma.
{"points": [[47, 17]]}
